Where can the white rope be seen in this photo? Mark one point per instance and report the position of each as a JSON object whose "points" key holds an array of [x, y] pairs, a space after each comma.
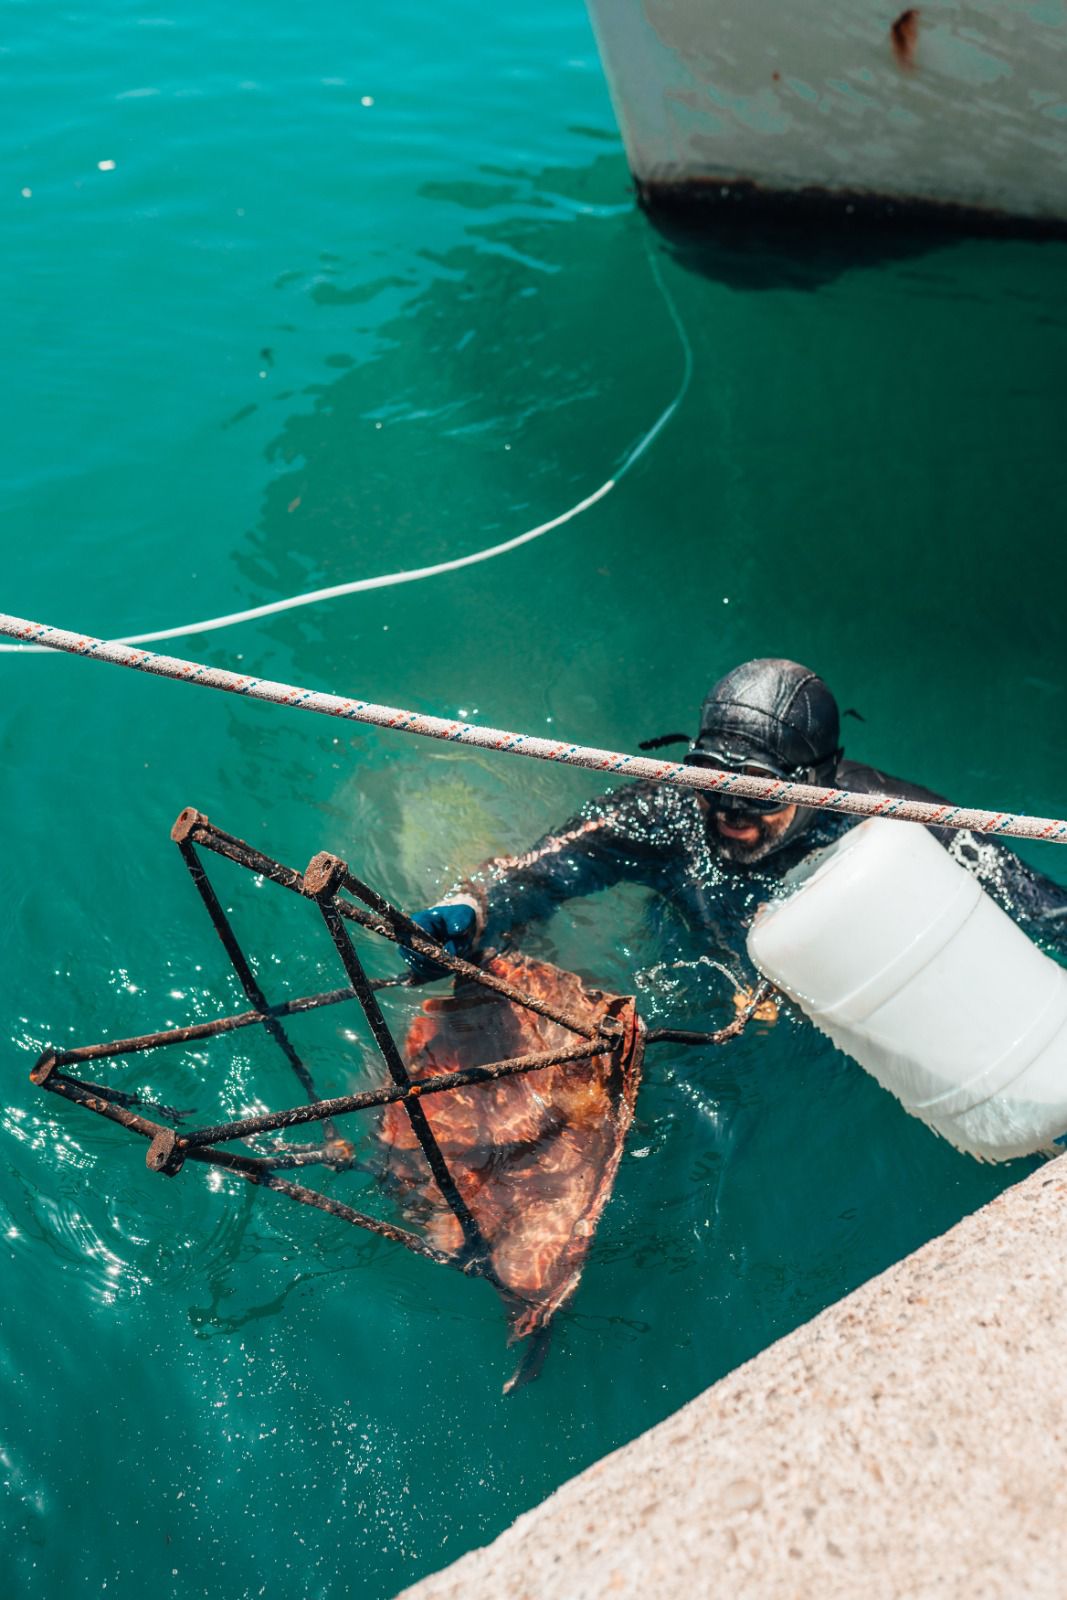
{"points": [[385, 581], [574, 755], [389, 580]]}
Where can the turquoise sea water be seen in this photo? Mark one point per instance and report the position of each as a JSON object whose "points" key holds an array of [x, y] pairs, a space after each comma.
{"points": [[361, 293]]}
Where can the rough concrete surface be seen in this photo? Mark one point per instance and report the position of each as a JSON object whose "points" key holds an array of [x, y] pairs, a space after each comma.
{"points": [[911, 1441]]}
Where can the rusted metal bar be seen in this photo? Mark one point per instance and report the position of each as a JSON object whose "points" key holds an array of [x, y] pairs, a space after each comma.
{"points": [[203, 831], [689, 1036], [207, 1030], [338, 1154], [760, 993], [389, 922], [163, 1141], [180, 832], [118, 1097], [197, 1030], [252, 1171], [274, 1121], [94, 1097], [393, 924], [323, 878], [359, 1219]]}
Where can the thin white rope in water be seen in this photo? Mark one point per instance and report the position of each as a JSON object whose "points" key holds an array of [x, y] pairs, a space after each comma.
{"points": [[389, 580], [526, 744]]}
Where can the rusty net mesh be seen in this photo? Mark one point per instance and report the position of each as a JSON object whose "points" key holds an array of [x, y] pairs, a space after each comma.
{"points": [[534, 1157]]}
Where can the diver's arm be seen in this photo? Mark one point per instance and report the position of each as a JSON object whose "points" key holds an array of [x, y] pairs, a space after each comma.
{"points": [[858, 777], [1035, 902], [618, 836]]}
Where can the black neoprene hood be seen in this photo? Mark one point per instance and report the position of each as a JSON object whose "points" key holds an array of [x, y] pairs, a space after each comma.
{"points": [[774, 713]]}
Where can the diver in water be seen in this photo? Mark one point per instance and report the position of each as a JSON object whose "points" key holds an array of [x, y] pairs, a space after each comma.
{"points": [[712, 857]]}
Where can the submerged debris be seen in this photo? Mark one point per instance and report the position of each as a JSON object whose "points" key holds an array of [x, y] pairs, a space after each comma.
{"points": [[501, 1133]]}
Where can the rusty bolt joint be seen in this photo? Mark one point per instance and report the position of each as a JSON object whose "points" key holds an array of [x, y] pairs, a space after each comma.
{"points": [[43, 1069], [166, 1153], [325, 874], [185, 822]]}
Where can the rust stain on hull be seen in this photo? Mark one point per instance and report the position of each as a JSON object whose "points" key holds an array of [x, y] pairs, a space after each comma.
{"points": [[904, 35]]}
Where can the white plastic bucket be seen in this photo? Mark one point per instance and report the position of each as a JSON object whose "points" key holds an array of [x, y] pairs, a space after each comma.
{"points": [[897, 952]]}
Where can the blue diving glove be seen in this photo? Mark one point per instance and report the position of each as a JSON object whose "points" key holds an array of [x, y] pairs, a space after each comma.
{"points": [[453, 926]]}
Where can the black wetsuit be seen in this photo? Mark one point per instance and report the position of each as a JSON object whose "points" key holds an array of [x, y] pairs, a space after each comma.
{"points": [[661, 836]]}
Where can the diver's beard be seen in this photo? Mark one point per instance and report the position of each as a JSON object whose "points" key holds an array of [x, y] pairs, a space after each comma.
{"points": [[772, 831]]}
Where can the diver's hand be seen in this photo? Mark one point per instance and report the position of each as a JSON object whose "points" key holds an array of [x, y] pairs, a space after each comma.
{"points": [[454, 926]]}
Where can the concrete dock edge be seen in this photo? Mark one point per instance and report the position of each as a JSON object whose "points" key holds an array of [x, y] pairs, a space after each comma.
{"points": [[909, 1442]]}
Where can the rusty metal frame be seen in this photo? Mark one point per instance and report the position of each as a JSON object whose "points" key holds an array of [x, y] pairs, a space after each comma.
{"points": [[327, 882]]}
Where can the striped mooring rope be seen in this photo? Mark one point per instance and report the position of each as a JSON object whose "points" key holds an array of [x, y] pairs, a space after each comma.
{"points": [[1002, 823]]}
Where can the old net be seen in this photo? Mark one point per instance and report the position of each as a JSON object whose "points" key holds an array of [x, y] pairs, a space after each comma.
{"points": [[534, 1157]]}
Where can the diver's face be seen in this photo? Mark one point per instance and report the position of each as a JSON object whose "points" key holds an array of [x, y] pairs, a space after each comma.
{"points": [[746, 837]]}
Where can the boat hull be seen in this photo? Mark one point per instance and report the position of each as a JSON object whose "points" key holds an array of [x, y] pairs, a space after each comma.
{"points": [[950, 110]]}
